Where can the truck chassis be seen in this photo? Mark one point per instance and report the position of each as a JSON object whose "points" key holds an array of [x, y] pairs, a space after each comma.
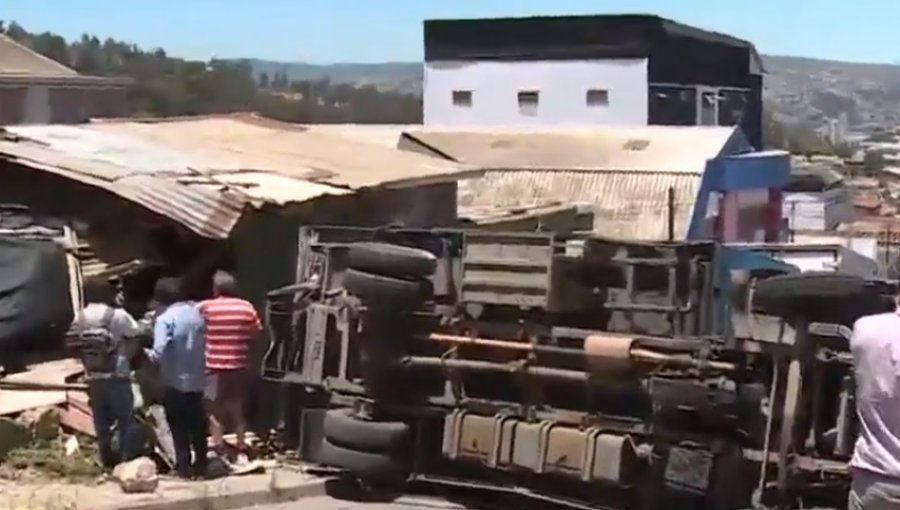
{"points": [[584, 371]]}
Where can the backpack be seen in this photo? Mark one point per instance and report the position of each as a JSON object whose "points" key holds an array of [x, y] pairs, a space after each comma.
{"points": [[99, 351]]}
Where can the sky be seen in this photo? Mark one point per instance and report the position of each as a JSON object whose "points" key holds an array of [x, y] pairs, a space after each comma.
{"points": [[326, 31]]}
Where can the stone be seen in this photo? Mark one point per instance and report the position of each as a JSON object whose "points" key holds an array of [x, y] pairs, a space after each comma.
{"points": [[43, 422], [12, 435], [138, 475]]}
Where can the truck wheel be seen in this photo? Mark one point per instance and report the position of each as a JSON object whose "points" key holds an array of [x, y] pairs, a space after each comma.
{"points": [[377, 467], [378, 289], [391, 260], [788, 293], [344, 429]]}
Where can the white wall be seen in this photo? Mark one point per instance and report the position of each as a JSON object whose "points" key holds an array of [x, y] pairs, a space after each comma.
{"points": [[818, 211], [562, 85], [37, 105]]}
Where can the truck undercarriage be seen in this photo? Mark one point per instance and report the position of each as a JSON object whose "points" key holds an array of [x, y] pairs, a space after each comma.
{"points": [[582, 370]]}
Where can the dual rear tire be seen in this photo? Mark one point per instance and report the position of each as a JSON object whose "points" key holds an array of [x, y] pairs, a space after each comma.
{"points": [[382, 274], [374, 451]]}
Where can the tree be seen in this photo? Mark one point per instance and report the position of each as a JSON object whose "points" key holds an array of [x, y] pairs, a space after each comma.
{"points": [[873, 162], [844, 150], [17, 33], [168, 86]]}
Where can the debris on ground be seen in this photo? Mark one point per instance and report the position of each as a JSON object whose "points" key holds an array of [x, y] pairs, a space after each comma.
{"points": [[43, 422], [47, 431], [49, 459], [138, 475], [51, 373], [154, 418], [71, 446], [12, 435]]}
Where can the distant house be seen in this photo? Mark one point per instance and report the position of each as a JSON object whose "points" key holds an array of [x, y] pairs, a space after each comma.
{"points": [[37, 90], [817, 199], [614, 69]]}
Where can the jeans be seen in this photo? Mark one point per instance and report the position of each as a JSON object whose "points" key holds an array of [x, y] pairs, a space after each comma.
{"points": [[112, 404], [187, 421], [873, 492]]}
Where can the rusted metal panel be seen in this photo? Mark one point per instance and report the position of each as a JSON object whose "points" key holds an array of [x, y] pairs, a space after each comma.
{"points": [[240, 143], [626, 204], [507, 269]]}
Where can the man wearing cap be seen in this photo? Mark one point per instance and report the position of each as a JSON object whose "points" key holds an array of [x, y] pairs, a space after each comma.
{"points": [[875, 466], [231, 325]]}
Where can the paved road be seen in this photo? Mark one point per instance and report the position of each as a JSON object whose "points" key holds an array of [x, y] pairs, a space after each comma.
{"points": [[404, 503]]}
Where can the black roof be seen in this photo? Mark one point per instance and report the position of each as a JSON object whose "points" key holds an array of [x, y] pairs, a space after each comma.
{"points": [[565, 37]]}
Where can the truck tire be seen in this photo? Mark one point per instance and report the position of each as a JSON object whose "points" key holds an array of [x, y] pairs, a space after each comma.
{"points": [[788, 293], [373, 288], [345, 430], [391, 260], [377, 467]]}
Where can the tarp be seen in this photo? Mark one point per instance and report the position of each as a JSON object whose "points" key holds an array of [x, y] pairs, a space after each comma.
{"points": [[35, 307]]}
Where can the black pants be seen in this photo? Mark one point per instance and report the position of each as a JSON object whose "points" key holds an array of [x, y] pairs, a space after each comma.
{"points": [[187, 421]]}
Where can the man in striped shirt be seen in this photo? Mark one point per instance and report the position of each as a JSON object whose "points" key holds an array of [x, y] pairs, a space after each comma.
{"points": [[231, 325]]}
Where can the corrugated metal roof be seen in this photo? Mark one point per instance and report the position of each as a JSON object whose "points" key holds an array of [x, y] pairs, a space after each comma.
{"points": [[386, 135], [641, 148], [208, 213], [16, 59], [202, 172], [231, 144], [264, 187], [130, 154], [627, 205]]}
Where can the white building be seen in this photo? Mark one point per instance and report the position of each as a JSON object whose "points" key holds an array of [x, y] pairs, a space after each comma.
{"points": [[816, 200], [623, 69]]}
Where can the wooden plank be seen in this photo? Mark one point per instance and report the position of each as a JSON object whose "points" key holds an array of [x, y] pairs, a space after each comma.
{"points": [[80, 400], [163, 439], [51, 372], [77, 420]]}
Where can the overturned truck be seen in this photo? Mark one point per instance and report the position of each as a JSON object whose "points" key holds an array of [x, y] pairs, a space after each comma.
{"points": [[582, 371]]}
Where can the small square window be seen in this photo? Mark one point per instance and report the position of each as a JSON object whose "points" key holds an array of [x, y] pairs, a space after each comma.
{"points": [[528, 101], [597, 97], [462, 98]]}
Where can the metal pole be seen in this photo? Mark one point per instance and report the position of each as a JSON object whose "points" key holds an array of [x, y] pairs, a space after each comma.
{"points": [[671, 204]]}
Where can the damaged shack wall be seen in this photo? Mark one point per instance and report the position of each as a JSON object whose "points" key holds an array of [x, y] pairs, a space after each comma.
{"points": [[265, 241], [53, 195]]}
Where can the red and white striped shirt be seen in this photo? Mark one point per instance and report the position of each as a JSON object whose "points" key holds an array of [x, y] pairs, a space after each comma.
{"points": [[231, 323]]}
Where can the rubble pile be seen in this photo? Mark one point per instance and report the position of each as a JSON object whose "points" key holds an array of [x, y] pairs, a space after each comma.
{"points": [[47, 430]]}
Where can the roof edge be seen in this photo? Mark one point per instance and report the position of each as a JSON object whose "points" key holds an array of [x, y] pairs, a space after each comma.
{"points": [[62, 79]]}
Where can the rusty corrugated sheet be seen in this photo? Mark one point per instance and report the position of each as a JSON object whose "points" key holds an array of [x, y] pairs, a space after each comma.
{"points": [[627, 205], [208, 213], [176, 183], [232, 144]]}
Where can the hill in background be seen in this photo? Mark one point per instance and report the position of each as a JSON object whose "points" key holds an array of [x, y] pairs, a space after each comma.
{"points": [[799, 90], [803, 96]]}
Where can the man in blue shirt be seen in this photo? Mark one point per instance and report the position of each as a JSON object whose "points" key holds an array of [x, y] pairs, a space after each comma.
{"points": [[179, 346]]}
